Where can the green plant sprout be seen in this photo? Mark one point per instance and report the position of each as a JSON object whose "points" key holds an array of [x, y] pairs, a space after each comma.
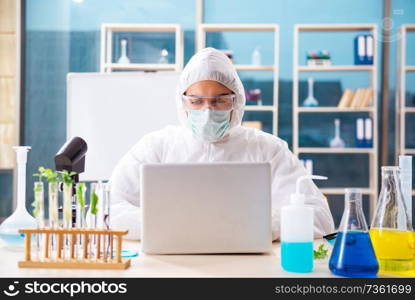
{"points": [[80, 196], [51, 176], [94, 202], [321, 253], [41, 173], [67, 177]]}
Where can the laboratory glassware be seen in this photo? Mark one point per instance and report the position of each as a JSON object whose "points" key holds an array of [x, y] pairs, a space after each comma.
{"points": [[20, 217], [123, 58], [297, 220], [391, 232], [337, 141], [310, 101], [353, 254]]}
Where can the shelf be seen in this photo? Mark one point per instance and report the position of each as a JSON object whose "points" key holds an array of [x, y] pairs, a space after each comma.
{"points": [[341, 191], [106, 47], [334, 27], [322, 109], [409, 151], [6, 170], [334, 150], [238, 27], [141, 27], [133, 66], [254, 67], [410, 68], [259, 108], [345, 68], [409, 109]]}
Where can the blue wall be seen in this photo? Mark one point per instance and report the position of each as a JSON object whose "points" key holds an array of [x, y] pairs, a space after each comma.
{"points": [[63, 36]]}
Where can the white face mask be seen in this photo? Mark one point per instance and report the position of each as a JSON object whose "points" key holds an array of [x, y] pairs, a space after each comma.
{"points": [[208, 125]]}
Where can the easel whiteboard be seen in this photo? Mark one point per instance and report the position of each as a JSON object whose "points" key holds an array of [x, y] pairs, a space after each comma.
{"points": [[112, 111]]}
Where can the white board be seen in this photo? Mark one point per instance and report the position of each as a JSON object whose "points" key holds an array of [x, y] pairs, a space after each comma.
{"points": [[112, 111]]}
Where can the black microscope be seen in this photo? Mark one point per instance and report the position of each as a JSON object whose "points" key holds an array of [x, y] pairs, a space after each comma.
{"points": [[71, 157]]}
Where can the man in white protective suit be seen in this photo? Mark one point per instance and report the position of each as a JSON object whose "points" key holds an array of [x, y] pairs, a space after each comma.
{"points": [[210, 102]]}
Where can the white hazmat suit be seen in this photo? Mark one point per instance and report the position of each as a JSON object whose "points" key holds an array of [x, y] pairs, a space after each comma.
{"points": [[176, 144]]}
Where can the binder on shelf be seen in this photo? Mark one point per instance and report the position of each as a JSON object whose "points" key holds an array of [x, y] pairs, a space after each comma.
{"points": [[360, 135], [308, 165], [363, 49], [364, 133], [368, 133]]}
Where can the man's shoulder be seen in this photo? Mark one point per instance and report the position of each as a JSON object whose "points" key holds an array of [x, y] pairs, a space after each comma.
{"points": [[254, 135]]}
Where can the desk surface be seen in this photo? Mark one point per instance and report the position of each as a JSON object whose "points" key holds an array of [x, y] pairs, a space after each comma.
{"points": [[253, 265]]}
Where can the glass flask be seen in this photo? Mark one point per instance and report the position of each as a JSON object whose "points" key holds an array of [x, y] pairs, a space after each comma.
{"points": [[353, 254], [9, 229], [337, 141], [391, 232], [310, 101]]}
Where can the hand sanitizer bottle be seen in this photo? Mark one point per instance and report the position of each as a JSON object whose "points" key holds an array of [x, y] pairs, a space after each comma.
{"points": [[297, 232]]}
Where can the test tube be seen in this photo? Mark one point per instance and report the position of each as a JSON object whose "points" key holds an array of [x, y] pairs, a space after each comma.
{"points": [[53, 217], [80, 217], [38, 211], [67, 216], [93, 217], [107, 247]]}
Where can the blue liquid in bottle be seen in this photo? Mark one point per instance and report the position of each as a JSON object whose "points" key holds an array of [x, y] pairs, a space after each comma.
{"points": [[295, 258], [353, 255]]}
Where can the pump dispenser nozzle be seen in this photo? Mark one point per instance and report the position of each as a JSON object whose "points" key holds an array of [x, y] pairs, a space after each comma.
{"points": [[299, 198]]}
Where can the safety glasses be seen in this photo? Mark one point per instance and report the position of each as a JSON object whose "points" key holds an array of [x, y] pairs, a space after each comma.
{"points": [[222, 102]]}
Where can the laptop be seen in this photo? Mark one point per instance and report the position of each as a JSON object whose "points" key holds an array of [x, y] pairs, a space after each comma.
{"points": [[201, 208]]}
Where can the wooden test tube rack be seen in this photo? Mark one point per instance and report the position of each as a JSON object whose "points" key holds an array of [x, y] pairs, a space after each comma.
{"points": [[85, 262]]}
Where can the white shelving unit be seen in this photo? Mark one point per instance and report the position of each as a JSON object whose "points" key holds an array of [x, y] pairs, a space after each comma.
{"points": [[107, 31], [372, 153], [202, 29], [401, 109]]}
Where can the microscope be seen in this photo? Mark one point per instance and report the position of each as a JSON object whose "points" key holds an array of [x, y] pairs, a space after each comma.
{"points": [[71, 157]]}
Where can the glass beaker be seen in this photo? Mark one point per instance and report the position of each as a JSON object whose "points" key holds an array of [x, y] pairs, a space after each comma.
{"points": [[391, 232], [353, 254]]}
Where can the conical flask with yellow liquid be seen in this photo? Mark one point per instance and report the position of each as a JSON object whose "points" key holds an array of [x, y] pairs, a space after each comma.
{"points": [[391, 231]]}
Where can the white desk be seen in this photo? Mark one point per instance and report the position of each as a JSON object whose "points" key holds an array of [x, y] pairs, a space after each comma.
{"points": [[254, 265]]}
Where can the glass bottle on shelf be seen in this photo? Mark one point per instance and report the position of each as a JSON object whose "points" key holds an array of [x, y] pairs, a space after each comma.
{"points": [[353, 254], [164, 57], [123, 58], [310, 101], [391, 232], [337, 141]]}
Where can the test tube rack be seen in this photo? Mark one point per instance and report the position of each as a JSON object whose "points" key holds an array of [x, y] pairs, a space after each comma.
{"points": [[83, 262]]}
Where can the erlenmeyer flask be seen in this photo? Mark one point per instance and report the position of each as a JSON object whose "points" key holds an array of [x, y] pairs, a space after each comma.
{"points": [[353, 254], [391, 232]]}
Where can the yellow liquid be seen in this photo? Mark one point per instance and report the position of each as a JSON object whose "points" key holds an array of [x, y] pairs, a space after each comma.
{"points": [[395, 251]]}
